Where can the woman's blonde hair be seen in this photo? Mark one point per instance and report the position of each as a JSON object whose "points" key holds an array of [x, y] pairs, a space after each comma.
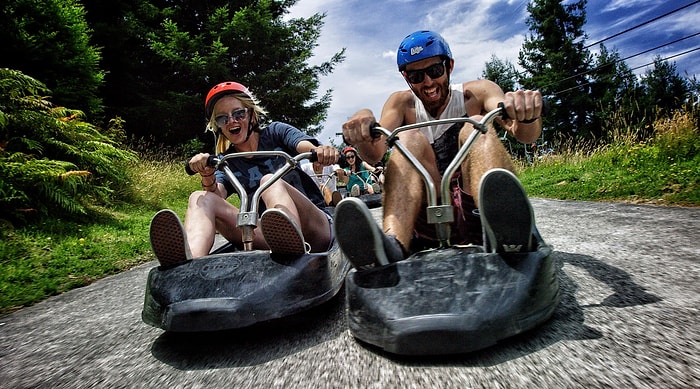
{"points": [[248, 101]]}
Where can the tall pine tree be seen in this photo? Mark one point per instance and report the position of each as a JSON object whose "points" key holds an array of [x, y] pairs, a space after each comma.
{"points": [[615, 93], [502, 72], [168, 54], [664, 88], [556, 62]]}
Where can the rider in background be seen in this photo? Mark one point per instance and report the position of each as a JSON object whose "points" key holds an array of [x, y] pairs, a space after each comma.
{"points": [[426, 63], [293, 220], [325, 177], [357, 175]]}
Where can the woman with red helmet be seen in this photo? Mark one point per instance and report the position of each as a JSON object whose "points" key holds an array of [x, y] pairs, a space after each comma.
{"points": [[293, 219], [357, 174]]}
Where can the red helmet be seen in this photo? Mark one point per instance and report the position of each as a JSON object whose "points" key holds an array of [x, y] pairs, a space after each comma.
{"points": [[349, 148], [220, 90]]}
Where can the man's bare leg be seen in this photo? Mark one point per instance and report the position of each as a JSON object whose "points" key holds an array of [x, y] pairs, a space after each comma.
{"points": [[487, 153], [404, 190]]}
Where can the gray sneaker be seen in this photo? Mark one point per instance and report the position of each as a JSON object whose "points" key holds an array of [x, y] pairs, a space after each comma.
{"points": [[361, 239], [506, 214]]}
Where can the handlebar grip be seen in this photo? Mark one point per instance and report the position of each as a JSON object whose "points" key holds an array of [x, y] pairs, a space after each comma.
{"points": [[211, 161], [545, 106], [373, 131], [188, 170], [342, 161], [545, 109], [504, 114]]}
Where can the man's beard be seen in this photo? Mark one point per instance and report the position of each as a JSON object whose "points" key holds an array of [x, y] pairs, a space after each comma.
{"points": [[434, 106]]}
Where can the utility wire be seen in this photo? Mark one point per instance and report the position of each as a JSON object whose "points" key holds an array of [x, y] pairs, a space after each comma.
{"points": [[634, 55], [638, 67], [660, 46], [669, 57], [624, 59], [642, 24]]}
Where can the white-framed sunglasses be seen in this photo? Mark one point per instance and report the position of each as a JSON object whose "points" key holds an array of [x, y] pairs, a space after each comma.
{"points": [[237, 115]]}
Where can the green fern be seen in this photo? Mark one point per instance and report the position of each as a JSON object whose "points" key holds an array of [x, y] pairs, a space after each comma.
{"points": [[50, 159]]}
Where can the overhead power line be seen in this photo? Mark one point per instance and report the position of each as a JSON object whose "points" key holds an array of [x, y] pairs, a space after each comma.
{"points": [[669, 57], [642, 24], [626, 58], [660, 46], [638, 67], [634, 55]]}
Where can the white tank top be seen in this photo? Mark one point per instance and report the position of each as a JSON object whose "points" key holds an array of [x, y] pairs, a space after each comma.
{"points": [[455, 108]]}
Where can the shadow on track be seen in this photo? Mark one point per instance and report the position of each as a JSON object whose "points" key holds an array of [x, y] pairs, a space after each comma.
{"points": [[254, 345], [567, 323]]}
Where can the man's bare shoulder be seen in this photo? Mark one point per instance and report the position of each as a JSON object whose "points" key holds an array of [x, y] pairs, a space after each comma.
{"points": [[399, 110], [477, 93], [401, 97]]}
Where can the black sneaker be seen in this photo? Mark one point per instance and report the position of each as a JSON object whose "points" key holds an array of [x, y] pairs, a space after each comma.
{"points": [[359, 237], [506, 214]]}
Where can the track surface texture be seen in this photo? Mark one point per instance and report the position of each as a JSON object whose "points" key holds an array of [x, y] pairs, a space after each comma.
{"points": [[627, 318]]}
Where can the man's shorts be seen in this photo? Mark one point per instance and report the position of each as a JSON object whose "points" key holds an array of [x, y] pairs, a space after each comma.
{"points": [[465, 229]]}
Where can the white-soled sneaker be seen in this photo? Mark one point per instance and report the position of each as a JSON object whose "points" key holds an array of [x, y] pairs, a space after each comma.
{"points": [[358, 235]]}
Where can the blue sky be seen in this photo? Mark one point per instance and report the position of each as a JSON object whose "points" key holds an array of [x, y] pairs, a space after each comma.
{"points": [[370, 31]]}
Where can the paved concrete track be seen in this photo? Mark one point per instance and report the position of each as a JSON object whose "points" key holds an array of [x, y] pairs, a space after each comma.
{"points": [[629, 279]]}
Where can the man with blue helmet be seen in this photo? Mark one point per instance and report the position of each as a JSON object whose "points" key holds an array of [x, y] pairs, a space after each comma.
{"points": [[425, 60]]}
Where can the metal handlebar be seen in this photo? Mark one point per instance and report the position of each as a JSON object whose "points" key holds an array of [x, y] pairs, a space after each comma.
{"points": [[248, 216], [441, 214]]}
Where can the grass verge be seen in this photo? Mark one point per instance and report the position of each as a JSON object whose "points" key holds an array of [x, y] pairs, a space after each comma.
{"points": [[664, 170], [53, 256]]}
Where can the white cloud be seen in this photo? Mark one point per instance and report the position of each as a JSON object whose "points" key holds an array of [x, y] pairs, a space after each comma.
{"points": [[626, 4], [372, 30]]}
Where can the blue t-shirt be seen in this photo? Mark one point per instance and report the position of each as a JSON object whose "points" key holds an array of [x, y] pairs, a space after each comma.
{"points": [[275, 136]]}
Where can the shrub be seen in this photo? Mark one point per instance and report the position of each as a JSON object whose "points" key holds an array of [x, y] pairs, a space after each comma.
{"points": [[51, 161]]}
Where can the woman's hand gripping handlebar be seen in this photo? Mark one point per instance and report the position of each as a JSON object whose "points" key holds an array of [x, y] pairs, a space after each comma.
{"points": [[248, 215]]}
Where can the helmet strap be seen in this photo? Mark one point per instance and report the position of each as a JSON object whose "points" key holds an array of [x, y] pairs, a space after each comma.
{"points": [[448, 69], [251, 128]]}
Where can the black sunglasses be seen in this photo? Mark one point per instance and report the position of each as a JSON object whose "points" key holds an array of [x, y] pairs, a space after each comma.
{"points": [[433, 71], [237, 115]]}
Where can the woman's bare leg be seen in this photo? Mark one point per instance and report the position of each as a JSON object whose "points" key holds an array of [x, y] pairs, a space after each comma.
{"points": [[314, 225]]}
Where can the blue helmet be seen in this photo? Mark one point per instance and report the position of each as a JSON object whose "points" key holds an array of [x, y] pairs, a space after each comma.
{"points": [[421, 45]]}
